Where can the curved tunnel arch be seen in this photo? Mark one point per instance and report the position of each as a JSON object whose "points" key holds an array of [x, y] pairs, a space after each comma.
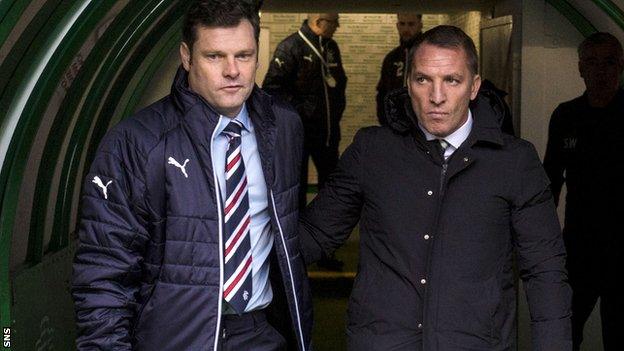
{"points": [[128, 49], [87, 63]]}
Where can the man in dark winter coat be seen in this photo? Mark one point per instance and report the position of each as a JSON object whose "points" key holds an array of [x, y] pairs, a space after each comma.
{"points": [[394, 66], [307, 71], [585, 150], [189, 213], [444, 199]]}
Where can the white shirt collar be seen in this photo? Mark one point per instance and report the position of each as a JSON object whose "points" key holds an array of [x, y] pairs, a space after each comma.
{"points": [[456, 138], [243, 117]]}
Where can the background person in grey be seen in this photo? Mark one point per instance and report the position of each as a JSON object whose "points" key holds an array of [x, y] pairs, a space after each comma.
{"points": [[444, 199], [394, 66], [585, 151], [175, 251]]}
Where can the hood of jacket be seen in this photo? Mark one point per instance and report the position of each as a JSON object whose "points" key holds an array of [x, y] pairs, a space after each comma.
{"points": [[486, 112]]}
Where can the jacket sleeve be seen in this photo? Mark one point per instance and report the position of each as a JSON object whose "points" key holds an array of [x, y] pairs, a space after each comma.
{"points": [[282, 74], [112, 234], [553, 158], [329, 219], [541, 255]]}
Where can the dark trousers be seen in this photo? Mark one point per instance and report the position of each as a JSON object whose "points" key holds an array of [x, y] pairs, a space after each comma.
{"points": [[324, 158], [251, 331], [593, 277]]}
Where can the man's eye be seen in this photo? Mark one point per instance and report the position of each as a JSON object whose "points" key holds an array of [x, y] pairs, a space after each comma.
{"points": [[244, 57], [420, 80], [212, 57]]}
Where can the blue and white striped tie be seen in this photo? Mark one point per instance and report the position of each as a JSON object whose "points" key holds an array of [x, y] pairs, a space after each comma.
{"points": [[237, 248]]}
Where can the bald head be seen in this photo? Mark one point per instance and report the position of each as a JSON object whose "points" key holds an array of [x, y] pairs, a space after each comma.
{"points": [[409, 25], [323, 24]]}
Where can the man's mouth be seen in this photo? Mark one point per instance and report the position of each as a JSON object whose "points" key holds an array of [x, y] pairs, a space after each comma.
{"points": [[232, 88], [437, 114]]}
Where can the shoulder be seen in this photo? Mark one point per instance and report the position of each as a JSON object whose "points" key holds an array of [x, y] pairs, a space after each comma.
{"points": [[285, 114], [375, 136], [143, 130], [520, 150], [394, 53], [289, 42], [567, 108]]}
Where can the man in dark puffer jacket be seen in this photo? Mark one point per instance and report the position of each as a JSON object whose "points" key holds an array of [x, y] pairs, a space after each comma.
{"points": [[189, 211]]}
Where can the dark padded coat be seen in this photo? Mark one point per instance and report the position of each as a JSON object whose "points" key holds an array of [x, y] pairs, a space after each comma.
{"points": [[148, 269], [437, 242], [295, 74]]}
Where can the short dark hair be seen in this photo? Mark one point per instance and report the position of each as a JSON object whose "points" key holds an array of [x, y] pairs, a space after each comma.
{"points": [[600, 38], [219, 13], [449, 37]]}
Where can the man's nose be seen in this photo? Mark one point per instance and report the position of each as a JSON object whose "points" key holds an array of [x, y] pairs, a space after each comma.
{"points": [[231, 68], [437, 95]]}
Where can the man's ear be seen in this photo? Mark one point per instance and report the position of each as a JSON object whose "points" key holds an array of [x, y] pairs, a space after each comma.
{"points": [[476, 84], [581, 69], [185, 56]]}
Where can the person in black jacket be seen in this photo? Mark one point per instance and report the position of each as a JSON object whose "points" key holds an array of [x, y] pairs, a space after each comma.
{"points": [[444, 199], [306, 70], [187, 235], [394, 66], [585, 151]]}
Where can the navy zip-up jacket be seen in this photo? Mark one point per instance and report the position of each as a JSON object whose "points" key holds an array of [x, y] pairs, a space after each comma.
{"points": [[148, 271]]}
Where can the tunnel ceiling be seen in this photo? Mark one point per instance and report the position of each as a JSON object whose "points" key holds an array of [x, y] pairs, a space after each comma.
{"points": [[376, 6]]}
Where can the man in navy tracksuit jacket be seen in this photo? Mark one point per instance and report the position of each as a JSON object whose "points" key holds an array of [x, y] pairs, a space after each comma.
{"points": [[189, 211], [584, 152]]}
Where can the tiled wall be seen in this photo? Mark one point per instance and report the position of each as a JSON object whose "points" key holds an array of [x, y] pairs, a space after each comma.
{"points": [[364, 40]]}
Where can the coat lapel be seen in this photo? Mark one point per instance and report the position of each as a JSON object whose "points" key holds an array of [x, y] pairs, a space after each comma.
{"points": [[263, 119]]}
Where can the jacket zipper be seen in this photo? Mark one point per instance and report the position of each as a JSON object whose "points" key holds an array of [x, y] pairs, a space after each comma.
{"points": [[219, 216], [437, 224], [323, 68], [292, 282], [442, 178]]}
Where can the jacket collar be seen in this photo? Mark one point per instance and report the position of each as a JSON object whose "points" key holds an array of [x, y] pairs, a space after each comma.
{"points": [[264, 121], [406, 45], [486, 119], [617, 102], [313, 37]]}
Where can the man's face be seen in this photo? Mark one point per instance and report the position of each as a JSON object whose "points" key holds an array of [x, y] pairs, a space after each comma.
{"points": [[408, 26], [440, 87], [600, 67], [222, 65], [327, 24]]}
